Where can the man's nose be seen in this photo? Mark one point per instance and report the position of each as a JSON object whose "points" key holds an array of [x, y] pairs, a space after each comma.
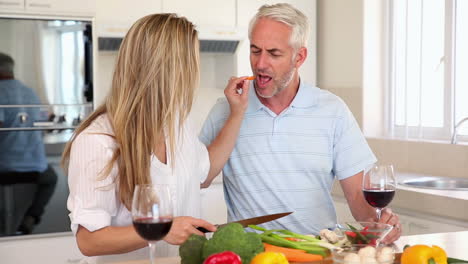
{"points": [[262, 61]]}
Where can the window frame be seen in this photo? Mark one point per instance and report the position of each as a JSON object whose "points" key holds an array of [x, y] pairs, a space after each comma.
{"points": [[420, 132]]}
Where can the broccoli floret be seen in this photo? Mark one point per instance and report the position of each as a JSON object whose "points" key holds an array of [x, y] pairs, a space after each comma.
{"points": [[233, 237], [191, 250]]}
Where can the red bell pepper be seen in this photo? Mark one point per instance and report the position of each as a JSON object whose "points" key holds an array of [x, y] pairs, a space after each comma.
{"points": [[225, 257]]}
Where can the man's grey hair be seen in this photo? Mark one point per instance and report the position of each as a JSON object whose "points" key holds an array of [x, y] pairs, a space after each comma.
{"points": [[289, 15], [6, 64]]}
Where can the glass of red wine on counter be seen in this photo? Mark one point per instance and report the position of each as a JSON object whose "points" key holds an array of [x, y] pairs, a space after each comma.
{"points": [[378, 186], [152, 213]]}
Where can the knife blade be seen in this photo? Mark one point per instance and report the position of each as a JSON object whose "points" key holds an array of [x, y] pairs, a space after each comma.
{"points": [[251, 221]]}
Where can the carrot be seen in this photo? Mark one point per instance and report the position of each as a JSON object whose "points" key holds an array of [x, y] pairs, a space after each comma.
{"points": [[292, 239], [292, 254], [250, 78]]}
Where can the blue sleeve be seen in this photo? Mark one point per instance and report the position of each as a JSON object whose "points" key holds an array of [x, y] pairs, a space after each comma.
{"points": [[351, 152]]}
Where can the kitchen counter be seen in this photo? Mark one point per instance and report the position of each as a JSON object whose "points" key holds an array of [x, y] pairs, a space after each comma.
{"points": [[454, 243], [410, 199], [61, 248]]}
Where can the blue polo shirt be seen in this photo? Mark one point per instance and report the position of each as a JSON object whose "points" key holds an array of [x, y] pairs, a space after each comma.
{"points": [[288, 162], [22, 150]]}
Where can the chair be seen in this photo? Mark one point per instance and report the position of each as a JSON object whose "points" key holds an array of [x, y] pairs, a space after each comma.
{"points": [[12, 208]]}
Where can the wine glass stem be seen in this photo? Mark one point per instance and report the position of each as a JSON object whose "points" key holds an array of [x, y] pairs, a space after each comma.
{"points": [[379, 212], [152, 250]]}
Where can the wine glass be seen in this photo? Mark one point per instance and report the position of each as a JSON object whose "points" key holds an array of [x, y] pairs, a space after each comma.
{"points": [[152, 213], [378, 186]]}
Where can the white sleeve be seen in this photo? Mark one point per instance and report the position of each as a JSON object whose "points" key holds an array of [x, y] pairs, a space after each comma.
{"points": [[93, 200], [204, 160]]}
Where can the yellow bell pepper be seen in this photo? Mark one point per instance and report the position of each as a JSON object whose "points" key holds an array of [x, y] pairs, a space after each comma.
{"points": [[270, 258], [422, 254]]}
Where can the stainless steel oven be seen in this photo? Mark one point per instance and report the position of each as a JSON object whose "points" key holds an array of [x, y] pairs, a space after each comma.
{"points": [[46, 90]]}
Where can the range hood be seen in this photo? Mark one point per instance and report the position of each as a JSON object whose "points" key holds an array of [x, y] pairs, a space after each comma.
{"points": [[214, 40]]}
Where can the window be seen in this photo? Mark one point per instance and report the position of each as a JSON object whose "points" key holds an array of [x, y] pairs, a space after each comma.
{"points": [[428, 69]]}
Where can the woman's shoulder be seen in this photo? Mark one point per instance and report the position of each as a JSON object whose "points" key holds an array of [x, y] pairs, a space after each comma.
{"points": [[99, 131]]}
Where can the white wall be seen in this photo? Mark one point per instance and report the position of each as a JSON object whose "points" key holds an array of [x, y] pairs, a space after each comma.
{"points": [[211, 87], [339, 51], [340, 33]]}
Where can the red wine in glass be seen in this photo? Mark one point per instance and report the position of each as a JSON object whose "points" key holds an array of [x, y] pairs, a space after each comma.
{"points": [[152, 213], [152, 229], [379, 198], [378, 187]]}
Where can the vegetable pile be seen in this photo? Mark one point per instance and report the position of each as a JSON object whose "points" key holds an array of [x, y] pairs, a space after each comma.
{"points": [[289, 239], [363, 237], [231, 237], [365, 255]]}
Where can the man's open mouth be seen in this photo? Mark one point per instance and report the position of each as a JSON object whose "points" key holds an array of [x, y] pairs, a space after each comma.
{"points": [[263, 80]]}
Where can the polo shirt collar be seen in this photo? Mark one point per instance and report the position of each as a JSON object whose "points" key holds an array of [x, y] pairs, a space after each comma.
{"points": [[306, 97]]}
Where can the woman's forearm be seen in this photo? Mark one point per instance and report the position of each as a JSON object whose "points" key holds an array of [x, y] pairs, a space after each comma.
{"points": [[109, 240]]}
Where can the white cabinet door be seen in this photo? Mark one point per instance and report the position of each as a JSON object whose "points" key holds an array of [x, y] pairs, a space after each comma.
{"points": [[343, 213], [118, 12], [213, 205], [214, 13], [421, 224], [66, 7], [248, 8], [11, 5]]}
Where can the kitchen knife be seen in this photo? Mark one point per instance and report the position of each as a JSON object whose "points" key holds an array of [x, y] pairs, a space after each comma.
{"points": [[251, 221]]}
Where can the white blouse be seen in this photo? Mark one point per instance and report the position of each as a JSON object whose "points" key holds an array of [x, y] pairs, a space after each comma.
{"points": [[93, 202]]}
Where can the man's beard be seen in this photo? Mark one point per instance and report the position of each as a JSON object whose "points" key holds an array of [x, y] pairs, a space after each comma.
{"points": [[283, 83]]}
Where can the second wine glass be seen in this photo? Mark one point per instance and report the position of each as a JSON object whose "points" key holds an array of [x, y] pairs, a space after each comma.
{"points": [[152, 213], [378, 186]]}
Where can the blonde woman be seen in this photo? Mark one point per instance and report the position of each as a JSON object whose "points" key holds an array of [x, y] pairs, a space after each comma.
{"points": [[140, 135]]}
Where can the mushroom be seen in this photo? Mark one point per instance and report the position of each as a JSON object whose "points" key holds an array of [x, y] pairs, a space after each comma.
{"points": [[351, 258], [385, 255], [329, 236]]}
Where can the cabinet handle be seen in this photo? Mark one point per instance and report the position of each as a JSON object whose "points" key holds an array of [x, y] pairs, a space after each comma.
{"points": [[40, 5], [6, 3]]}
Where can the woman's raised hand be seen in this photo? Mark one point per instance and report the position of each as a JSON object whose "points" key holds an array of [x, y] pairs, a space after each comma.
{"points": [[237, 92]]}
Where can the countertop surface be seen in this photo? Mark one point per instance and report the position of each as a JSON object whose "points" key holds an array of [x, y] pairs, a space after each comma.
{"points": [[446, 204], [454, 243], [403, 176]]}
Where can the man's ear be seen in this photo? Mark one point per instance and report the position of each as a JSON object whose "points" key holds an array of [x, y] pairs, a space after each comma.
{"points": [[301, 56]]}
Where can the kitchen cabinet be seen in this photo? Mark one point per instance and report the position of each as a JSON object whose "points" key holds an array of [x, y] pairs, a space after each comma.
{"points": [[213, 205], [50, 7], [221, 14], [53, 7], [123, 12], [12, 5], [246, 9]]}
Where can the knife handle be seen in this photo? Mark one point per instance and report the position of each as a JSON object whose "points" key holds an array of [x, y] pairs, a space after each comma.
{"points": [[204, 230]]}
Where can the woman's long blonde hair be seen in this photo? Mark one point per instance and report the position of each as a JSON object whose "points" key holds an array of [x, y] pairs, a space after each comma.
{"points": [[156, 73]]}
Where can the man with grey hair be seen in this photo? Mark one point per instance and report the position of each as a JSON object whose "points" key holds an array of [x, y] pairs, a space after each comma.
{"points": [[22, 155], [295, 138]]}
